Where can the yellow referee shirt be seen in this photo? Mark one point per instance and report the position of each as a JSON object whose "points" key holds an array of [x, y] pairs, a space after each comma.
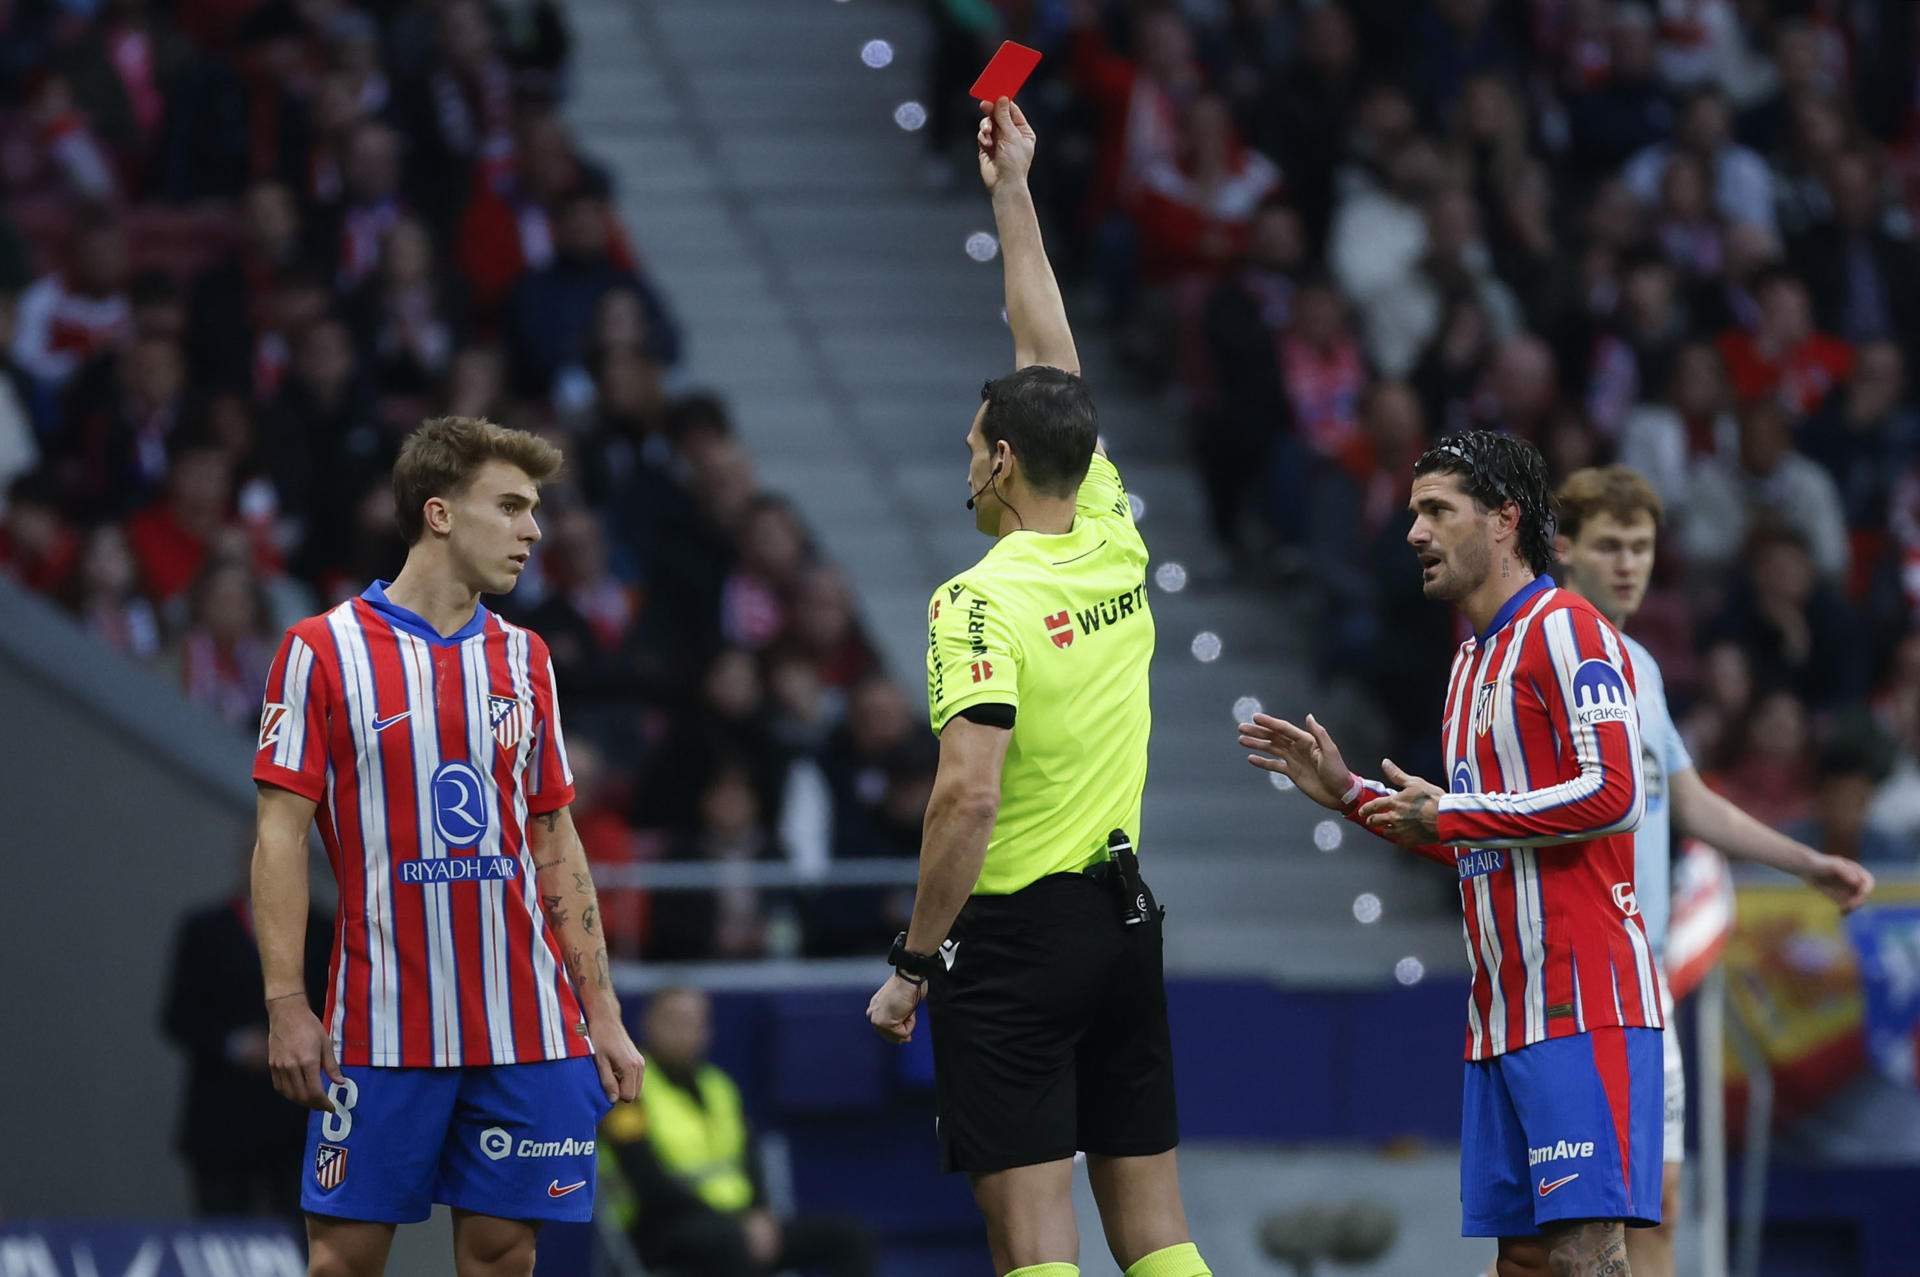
{"points": [[1058, 627]]}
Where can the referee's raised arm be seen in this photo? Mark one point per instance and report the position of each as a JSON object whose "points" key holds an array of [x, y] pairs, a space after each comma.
{"points": [[1035, 310]]}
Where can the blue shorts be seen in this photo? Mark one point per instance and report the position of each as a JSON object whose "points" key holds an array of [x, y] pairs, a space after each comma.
{"points": [[515, 1141], [1569, 1128]]}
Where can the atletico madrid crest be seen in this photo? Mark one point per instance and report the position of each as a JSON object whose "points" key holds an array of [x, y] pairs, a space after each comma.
{"points": [[329, 1166], [1483, 704], [509, 719]]}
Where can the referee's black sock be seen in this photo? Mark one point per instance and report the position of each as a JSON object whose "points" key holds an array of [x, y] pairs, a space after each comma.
{"points": [[1175, 1261]]}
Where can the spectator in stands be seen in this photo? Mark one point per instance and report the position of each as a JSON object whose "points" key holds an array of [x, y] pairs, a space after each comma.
{"points": [[1138, 98], [1243, 413], [174, 538], [477, 383], [405, 316], [1525, 241], [157, 307], [459, 110], [1325, 374], [1301, 120], [120, 419], [686, 1151], [1665, 439], [1728, 492], [321, 437], [1520, 391], [372, 204], [756, 604], [550, 312], [1785, 356], [1685, 225], [63, 143], [611, 842], [731, 920], [1741, 186], [1454, 364], [1848, 768], [826, 630], [878, 737], [1624, 108], [1405, 314], [1453, 40], [107, 598], [227, 646], [1863, 436], [1379, 237], [1768, 772], [237, 329], [598, 627], [1865, 281], [1194, 207], [238, 1137], [76, 312], [508, 227], [1634, 355], [19, 439], [37, 548], [1796, 630], [722, 725]]}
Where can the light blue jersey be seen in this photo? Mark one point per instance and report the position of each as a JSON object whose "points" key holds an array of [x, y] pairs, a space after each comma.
{"points": [[1662, 755]]}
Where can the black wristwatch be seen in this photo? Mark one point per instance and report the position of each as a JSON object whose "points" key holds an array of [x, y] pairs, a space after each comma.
{"points": [[915, 967]]}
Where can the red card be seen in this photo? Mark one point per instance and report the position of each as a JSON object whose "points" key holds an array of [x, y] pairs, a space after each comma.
{"points": [[1012, 64]]}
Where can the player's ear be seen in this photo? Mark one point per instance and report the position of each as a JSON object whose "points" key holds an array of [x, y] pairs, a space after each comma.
{"points": [[437, 514]]}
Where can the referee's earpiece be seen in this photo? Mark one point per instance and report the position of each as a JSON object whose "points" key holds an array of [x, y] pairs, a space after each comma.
{"points": [[983, 487]]}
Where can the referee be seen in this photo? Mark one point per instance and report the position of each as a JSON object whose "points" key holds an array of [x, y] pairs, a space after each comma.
{"points": [[1033, 939]]}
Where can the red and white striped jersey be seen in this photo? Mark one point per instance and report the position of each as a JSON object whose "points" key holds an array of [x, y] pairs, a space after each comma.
{"points": [[426, 755], [1543, 756]]}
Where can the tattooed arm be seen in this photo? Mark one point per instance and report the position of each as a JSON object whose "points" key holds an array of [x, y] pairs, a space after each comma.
{"points": [[573, 911]]}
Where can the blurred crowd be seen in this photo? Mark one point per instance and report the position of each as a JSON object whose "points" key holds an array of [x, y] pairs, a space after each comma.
{"points": [[245, 245], [1672, 233]]}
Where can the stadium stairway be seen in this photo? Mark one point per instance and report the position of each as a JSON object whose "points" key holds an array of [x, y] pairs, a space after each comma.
{"points": [[826, 291]]}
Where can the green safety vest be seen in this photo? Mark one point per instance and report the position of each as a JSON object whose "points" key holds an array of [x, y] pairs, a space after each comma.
{"points": [[703, 1142]]}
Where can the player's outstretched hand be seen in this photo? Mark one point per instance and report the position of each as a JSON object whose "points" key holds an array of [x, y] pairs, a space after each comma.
{"points": [[1005, 142], [1847, 883], [300, 1054], [1411, 816], [895, 1009], [1306, 756], [616, 1057]]}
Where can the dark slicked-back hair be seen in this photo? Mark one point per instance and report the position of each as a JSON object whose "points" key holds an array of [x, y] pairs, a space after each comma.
{"points": [[1047, 417], [1495, 469]]}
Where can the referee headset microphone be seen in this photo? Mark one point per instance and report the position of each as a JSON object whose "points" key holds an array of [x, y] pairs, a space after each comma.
{"points": [[983, 487]]}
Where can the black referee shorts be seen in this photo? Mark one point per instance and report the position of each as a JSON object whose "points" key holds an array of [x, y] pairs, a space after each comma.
{"points": [[1050, 1030]]}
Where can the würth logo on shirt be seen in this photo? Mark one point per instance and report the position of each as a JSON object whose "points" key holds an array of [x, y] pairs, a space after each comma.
{"points": [[509, 718], [1060, 629]]}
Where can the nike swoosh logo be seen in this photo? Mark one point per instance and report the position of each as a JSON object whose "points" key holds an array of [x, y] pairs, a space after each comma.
{"points": [[382, 724], [554, 1189], [1546, 1187]]}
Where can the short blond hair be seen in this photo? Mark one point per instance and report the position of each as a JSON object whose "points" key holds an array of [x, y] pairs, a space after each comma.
{"points": [[1620, 491], [443, 454]]}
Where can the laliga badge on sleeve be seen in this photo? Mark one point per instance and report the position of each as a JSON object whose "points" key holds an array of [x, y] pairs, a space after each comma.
{"points": [[1011, 65]]}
